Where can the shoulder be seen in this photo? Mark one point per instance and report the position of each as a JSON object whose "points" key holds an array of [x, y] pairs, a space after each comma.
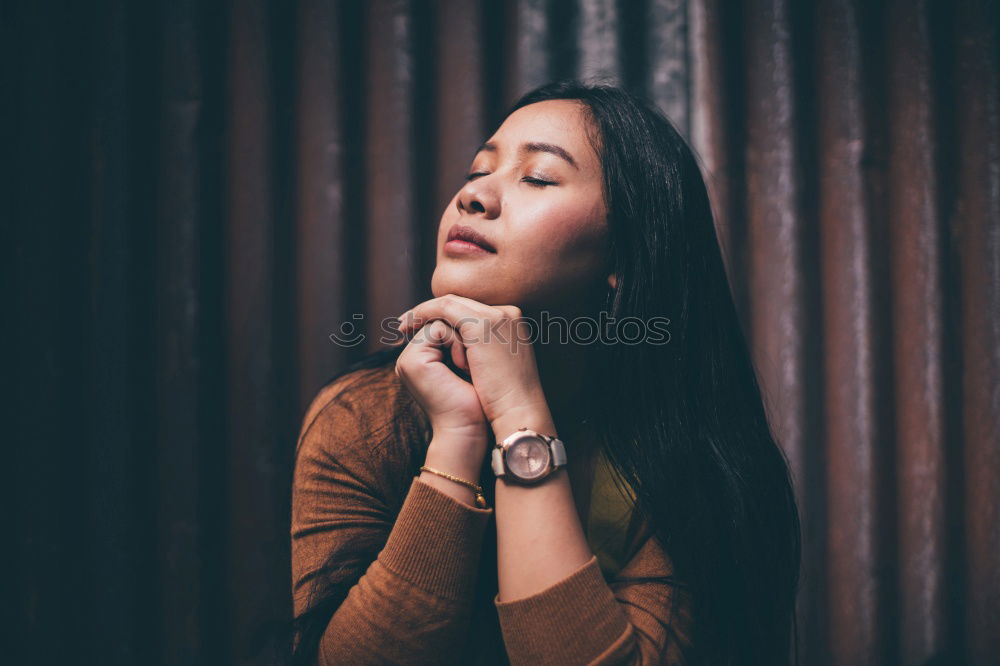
{"points": [[353, 390], [360, 412]]}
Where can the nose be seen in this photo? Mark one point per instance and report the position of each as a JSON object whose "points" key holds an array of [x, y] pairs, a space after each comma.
{"points": [[478, 198]]}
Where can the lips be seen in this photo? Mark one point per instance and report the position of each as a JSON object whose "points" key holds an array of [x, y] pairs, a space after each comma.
{"points": [[470, 235]]}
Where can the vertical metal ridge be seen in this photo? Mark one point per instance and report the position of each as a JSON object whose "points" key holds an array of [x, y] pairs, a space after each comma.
{"points": [[977, 235], [322, 255], [855, 329], [392, 220], [918, 308], [180, 309], [783, 288], [530, 66], [668, 44], [598, 56], [460, 121], [253, 462], [775, 221], [715, 103]]}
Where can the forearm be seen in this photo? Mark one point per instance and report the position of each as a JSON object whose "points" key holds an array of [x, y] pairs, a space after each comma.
{"points": [[413, 603], [554, 603], [540, 536]]}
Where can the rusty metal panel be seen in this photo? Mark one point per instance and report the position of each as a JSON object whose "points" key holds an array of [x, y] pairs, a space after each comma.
{"points": [[229, 187]]}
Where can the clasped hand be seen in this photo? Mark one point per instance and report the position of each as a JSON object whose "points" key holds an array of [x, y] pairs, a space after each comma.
{"points": [[489, 343]]}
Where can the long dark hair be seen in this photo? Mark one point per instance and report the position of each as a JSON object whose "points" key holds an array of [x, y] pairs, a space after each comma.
{"points": [[682, 423]]}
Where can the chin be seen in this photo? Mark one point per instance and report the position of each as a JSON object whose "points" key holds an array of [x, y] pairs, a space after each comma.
{"points": [[468, 282]]}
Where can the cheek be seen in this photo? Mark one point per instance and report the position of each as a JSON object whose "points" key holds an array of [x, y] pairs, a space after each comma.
{"points": [[572, 232]]}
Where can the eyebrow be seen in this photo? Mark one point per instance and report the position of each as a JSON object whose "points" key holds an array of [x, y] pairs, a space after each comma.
{"points": [[535, 147]]}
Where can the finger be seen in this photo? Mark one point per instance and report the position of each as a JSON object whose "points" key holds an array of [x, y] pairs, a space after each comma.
{"points": [[429, 345], [399, 341], [403, 336], [458, 356], [453, 309], [438, 337], [432, 334], [445, 345], [511, 311]]}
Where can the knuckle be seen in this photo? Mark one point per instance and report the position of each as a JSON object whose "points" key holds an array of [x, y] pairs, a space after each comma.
{"points": [[471, 325], [511, 311], [429, 331]]}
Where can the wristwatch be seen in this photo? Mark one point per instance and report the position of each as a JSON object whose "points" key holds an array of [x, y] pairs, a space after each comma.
{"points": [[528, 457]]}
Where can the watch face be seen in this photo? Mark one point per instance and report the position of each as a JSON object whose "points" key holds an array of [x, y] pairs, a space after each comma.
{"points": [[528, 457]]}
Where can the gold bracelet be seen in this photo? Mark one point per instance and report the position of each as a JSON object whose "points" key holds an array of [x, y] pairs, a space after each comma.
{"points": [[480, 498]]}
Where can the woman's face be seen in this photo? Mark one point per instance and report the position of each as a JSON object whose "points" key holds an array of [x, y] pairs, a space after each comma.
{"points": [[535, 195]]}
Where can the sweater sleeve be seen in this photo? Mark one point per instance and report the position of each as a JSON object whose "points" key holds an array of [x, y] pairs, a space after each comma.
{"points": [[582, 619], [412, 602]]}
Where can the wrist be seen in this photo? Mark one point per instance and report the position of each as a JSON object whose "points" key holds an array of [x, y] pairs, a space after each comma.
{"points": [[534, 417], [459, 491], [467, 436], [459, 457]]}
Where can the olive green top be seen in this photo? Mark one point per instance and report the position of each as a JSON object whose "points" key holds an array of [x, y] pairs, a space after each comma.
{"points": [[612, 503]]}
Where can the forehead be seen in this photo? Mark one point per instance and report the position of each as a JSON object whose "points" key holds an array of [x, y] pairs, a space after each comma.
{"points": [[559, 121]]}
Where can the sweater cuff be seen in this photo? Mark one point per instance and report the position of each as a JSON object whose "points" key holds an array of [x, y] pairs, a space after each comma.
{"points": [[435, 542], [538, 629]]}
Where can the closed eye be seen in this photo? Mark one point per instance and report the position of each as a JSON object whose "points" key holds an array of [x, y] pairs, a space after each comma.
{"points": [[536, 182]]}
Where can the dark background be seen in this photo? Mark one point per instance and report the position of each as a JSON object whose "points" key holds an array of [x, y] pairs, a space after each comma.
{"points": [[195, 195]]}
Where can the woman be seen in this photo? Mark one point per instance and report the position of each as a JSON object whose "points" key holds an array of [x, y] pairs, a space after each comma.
{"points": [[407, 546]]}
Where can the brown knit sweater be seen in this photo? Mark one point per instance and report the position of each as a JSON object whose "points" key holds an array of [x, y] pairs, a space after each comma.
{"points": [[427, 591]]}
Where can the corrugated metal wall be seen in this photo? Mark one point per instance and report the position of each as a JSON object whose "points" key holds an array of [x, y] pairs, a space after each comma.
{"points": [[197, 195]]}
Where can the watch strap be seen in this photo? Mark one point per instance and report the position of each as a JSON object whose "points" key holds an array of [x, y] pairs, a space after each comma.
{"points": [[558, 453], [497, 462]]}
